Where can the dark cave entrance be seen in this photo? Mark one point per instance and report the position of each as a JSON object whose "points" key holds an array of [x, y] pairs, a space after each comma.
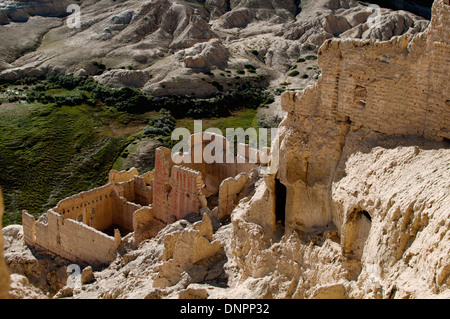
{"points": [[280, 202], [356, 233]]}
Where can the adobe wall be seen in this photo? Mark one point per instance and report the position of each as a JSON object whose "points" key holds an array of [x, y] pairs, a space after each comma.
{"points": [[73, 229], [122, 176], [187, 192], [137, 190], [228, 194], [214, 173], [182, 189], [94, 207], [70, 239]]}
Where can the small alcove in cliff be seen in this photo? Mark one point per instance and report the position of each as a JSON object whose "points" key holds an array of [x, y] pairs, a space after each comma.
{"points": [[280, 202], [357, 231]]}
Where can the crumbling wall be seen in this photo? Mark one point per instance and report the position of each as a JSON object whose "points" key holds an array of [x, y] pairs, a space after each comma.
{"points": [[74, 228], [229, 194], [122, 176], [94, 207], [224, 163], [122, 214], [70, 239], [143, 192], [161, 184], [182, 189]]}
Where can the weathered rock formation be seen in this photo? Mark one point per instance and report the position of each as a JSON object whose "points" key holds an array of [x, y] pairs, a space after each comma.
{"points": [[372, 123], [20, 11], [172, 41]]}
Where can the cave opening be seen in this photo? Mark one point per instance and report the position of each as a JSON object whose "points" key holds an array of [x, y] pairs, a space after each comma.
{"points": [[357, 233], [280, 202]]}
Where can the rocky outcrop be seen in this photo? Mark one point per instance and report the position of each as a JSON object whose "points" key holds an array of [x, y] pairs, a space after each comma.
{"points": [[206, 56], [20, 11], [121, 78]]}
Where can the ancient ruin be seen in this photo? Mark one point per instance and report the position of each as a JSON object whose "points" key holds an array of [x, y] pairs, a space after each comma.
{"points": [[88, 227]]}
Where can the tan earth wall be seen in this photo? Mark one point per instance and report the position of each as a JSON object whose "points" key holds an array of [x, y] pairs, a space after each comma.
{"points": [[4, 273], [70, 239]]}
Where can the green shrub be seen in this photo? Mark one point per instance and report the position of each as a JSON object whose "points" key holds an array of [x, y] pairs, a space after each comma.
{"points": [[300, 60], [249, 67], [99, 65], [240, 71], [162, 125], [305, 76], [311, 57], [217, 85], [255, 52], [294, 73]]}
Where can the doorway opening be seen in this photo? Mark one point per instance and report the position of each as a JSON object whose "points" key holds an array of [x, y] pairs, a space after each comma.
{"points": [[280, 202]]}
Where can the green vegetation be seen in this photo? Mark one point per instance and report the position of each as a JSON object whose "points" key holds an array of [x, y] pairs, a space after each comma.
{"points": [[305, 76], [161, 127], [49, 152], [255, 52], [294, 73], [301, 60], [240, 71], [311, 57], [217, 85]]}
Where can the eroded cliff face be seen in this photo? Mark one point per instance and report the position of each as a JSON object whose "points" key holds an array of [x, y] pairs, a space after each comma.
{"points": [[365, 162], [4, 273]]}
